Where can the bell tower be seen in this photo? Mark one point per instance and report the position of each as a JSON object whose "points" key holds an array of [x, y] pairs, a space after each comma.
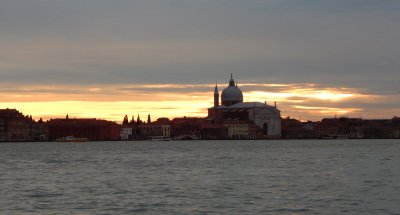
{"points": [[216, 96]]}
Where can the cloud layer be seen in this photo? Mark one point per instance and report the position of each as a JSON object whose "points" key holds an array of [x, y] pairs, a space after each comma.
{"points": [[305, 101], [108, 51]]}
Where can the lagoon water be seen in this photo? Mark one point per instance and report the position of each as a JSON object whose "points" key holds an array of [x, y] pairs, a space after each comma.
{"points": [[201, 177]]}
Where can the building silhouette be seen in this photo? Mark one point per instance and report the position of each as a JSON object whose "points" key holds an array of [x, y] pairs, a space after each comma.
{"points": [[14, 126], [244, 120]]}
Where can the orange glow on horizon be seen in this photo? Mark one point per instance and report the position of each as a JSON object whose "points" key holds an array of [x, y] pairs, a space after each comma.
{"points": [[329, 110], [112, 102]]}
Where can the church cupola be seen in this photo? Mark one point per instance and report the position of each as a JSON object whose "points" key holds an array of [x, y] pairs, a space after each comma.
{"points": [[232, 94]]}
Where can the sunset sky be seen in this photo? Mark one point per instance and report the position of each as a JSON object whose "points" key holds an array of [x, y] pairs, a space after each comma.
{"points": [[105, 59]]}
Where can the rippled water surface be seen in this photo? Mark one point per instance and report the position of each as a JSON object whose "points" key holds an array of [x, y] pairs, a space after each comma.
{"points": [[201, 177]]}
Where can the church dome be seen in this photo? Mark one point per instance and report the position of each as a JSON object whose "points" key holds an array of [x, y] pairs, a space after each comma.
{"points": [[232, 94]]}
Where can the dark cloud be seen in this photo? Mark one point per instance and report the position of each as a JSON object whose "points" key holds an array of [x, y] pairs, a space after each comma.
{"points": [[344, 43], [40, 91]]}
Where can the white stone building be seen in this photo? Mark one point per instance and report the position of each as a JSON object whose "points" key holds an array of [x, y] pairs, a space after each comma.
{"points": [[126, 133], [266, 118]]}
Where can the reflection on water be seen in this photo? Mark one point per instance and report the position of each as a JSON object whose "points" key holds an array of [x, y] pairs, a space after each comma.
{"points": [[201, 177]]}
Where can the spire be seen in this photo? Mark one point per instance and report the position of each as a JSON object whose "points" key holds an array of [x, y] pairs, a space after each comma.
{"points": [[216, 95], [138, 119], [232, 82], [148, 119]]}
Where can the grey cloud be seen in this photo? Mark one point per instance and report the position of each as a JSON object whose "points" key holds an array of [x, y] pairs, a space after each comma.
{"points": [[140, 89], [332, 43], [40, 91]]}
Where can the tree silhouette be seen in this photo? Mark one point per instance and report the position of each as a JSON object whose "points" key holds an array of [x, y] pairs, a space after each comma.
{"points": [[132, 122], [125, 121]]}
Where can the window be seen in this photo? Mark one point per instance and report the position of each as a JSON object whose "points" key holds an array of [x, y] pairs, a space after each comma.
{"points": [[265, 128]]}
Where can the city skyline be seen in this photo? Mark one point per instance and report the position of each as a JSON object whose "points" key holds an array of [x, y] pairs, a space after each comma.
{"points": [[100, 59], [177, 100]]}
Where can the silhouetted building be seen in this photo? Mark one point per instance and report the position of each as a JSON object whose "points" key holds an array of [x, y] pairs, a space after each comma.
{"points": [[381, 128], [92, 129], [187, 127], [266, 118], [295, 129], [213, 132], [160, 129], [14, 126], [240, 129], [126, 132]]}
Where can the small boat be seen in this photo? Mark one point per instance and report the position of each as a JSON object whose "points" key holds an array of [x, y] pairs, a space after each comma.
{"points": [[72, 139], [342, 137], [327, 137], [160, 139]]}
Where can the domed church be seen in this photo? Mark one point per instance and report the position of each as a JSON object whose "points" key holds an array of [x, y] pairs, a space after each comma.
{"points": [[260, 119], [230, 95]]}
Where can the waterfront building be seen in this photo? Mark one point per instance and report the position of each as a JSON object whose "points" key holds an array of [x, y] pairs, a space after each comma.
{"points": [[382, 128], [342, 127], [160, 129], [14, 126], [240, 129], [266, 118], [126, 132], [187, 127], [92, 129], [213, 132], [295, 129]]}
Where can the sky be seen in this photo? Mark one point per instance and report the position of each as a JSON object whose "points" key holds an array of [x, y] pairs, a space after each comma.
{"points": [[105, 59]]}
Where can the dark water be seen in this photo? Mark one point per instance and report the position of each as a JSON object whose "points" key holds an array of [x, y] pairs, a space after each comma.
{"points": [[201, 177]]}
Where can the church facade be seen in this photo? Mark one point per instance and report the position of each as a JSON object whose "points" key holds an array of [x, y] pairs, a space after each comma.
{"points": [[258, 119]]}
